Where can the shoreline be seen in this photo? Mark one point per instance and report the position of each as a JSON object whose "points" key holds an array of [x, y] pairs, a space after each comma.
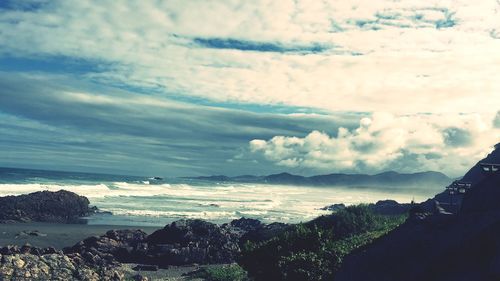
{"points": [[57, 235]]}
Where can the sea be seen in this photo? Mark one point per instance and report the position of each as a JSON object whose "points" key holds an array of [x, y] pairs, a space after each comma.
{"points": [[146, 201]]}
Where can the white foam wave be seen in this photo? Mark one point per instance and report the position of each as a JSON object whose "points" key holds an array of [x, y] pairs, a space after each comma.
{"points": [[216, 202], [209, 215]]}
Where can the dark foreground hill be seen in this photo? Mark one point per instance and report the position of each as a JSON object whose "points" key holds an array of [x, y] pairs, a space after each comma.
{"points": [[462, 246]]}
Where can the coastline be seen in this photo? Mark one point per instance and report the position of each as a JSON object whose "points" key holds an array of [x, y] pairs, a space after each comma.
{"points": [[57, 235]]}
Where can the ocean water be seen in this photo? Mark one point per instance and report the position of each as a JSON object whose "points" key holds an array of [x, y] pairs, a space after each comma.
{"points": [[142, 201]]}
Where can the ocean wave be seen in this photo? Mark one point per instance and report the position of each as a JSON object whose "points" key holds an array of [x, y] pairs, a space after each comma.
{"points": [[182, 200], [208, 215]]}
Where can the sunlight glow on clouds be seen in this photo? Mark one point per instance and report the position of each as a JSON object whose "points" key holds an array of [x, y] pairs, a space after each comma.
{"points": [[384, 55], [425, 71], [386, 142]]}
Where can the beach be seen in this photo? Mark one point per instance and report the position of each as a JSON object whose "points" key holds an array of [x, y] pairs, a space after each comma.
{"points": [[55, 235]]}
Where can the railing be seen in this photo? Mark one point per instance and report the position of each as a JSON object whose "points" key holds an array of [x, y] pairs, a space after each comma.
{"points": [[490, 168]]}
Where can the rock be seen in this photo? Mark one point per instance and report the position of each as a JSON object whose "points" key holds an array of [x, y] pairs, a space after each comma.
{"points": [[18, 262], [26, 233], [61, 206], [246, 224], [55, 266], [116, 245], [264, 232], [139, 277], [192, 241], [334, 207], [390, 207], [146, 267]]}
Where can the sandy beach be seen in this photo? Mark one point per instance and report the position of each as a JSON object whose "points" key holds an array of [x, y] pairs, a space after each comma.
{"points": [[55, 234]]}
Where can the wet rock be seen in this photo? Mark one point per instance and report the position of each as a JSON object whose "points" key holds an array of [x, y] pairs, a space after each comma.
{"points": [[61, 206]]}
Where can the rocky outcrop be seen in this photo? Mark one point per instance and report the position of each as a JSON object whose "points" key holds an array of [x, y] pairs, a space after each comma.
{"points": [[390, 207], [382, 207], [124, 246], [29, 263], [192, 241], [44, 206], [179, 243], [334, 207]]}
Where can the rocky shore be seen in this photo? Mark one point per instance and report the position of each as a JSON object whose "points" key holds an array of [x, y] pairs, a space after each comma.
{"points": [[181, 243]]}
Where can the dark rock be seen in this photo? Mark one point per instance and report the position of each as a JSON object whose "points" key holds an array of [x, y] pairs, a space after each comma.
{"points": [[390, 207], [265, 232], [26, 233], [116, 245], [246, 224], [139, 277], [146, 267], [61, 206], [334, 207], [192, 241]]}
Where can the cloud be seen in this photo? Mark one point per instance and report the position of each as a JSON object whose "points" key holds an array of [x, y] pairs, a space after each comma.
{"points": [[59, 122], [243, 45], [496, 121], [198, 80], [387, 142], [428, 56]]}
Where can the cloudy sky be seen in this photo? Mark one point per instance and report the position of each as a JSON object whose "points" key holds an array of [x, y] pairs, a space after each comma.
{"points": [[205, 87]]}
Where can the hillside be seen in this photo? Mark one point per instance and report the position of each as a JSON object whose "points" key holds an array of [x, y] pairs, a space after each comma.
{"points": [[438, 246]]}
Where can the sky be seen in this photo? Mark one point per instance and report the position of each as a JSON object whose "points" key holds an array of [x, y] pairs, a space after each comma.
{"points": [[202, 87]]}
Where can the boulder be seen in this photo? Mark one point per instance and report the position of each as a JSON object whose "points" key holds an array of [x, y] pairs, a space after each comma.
{"points": [[192, 241], [115, 246], [28, 263], [45, 206]]}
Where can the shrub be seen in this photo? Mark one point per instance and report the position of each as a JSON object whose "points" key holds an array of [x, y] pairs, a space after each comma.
{"points": [[315, 250], [231, 272]]}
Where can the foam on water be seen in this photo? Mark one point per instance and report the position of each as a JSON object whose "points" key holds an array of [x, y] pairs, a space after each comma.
{"points": [[142, 203]]}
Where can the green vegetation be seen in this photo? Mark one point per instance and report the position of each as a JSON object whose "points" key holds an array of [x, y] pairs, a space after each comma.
{"points": [[232, 272], [315, 250]]}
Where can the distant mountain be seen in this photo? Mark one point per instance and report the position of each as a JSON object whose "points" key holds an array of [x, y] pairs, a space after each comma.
{"points": [[386, 179]]}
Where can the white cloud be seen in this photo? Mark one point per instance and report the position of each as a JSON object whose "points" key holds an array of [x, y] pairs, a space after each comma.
{"points": [[388, 142], [399, 57], [407, 66]]}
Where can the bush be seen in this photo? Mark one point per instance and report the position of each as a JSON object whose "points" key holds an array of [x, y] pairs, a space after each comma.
{"points": [[315, 250], [231, 272]]}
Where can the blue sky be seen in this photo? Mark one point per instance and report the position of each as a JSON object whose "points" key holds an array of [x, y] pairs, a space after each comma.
{"points": [[248, 87]]}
